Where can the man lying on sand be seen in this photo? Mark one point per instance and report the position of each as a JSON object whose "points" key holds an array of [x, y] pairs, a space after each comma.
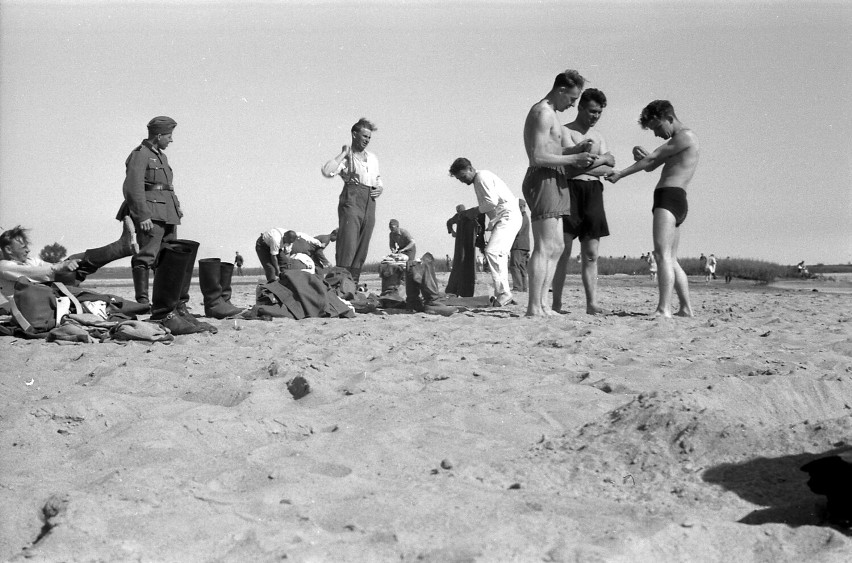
{"points": [[679, 157], [16, 261]]}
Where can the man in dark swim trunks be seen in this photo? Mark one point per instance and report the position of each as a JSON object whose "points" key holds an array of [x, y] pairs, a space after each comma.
{"points": [[545, 188], [679, 157], [588, 219]]}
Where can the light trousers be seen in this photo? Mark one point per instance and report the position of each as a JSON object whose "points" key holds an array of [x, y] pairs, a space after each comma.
{"points": [[503, 232]]}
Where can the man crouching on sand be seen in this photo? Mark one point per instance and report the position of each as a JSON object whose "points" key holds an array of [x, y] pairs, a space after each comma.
{"points": [[679, 157]]}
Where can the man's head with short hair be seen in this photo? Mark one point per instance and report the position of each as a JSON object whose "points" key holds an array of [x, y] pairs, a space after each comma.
{"points": [[362, 132], [290, 237], [656, 111], [569, 79], [659, 116], [14, 244], [593, 95], [566, 89], [333, 235], [364, 123], [462, 170], [590, 107], [393, 225], [460, 208], [522, 204]]}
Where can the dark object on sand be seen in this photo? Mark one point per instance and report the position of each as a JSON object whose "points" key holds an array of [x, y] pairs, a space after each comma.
{"points": [[832, 477], [298, 387]]}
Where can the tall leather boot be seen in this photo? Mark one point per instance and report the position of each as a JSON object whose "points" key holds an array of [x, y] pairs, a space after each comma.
{"points": [[392, 276], [173, 260], [140, 284], [225, 275], [210, 280], [187, 281], [96, 258]]}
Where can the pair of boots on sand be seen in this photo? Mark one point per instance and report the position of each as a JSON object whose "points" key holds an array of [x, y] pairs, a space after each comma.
{"points": [[172, 276], [421, 287]]}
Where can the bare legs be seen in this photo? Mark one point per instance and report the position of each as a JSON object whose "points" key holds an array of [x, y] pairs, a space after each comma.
{"points": [[589, 257], [547, 237], [589, 250], [560, 272], [671, 275]]}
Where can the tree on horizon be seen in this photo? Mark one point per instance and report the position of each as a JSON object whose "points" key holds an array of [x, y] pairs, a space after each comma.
{"points": [[53, 253]]}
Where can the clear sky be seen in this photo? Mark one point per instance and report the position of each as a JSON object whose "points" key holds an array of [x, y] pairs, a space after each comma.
{"points": [[264, 93]]}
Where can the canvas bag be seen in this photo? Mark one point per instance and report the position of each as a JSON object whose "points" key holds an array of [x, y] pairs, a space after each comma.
{"points": [[38, 308]]}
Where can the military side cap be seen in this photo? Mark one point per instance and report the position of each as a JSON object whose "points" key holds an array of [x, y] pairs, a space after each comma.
{"points": [[161, 125]]}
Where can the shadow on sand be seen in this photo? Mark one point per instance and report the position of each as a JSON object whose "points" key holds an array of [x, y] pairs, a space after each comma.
{"points": [[778, 484]]}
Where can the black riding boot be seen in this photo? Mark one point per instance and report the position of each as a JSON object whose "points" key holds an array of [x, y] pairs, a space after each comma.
{"points": [[173, 261], [211, 275], [140, 284]]}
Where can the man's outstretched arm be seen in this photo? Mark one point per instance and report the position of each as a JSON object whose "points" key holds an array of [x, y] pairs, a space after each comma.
{"points": [[651, 161]]}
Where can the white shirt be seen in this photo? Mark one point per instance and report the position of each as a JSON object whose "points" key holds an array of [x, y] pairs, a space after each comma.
{"points": [[493, 194], [273, 239], [361, 171], [34, 269]]}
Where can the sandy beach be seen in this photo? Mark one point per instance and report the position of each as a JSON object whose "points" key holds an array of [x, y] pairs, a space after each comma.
{"points": [[484, 436]]}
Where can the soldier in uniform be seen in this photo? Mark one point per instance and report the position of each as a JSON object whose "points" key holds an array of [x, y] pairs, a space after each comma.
{"points": [[150, 200]]}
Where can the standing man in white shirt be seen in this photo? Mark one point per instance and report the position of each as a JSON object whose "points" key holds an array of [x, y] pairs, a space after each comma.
{"points": [[504, 214], [356, 208]]}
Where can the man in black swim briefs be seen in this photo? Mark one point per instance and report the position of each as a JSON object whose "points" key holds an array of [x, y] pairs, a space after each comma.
{"points": [[588, 219], [679, 157], [674, 200]]}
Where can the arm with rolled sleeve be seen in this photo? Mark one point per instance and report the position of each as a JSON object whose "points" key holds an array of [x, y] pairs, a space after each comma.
{"points": [[333, 167]]}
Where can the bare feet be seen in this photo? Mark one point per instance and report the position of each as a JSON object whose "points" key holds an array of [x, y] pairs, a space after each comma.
{"points": [[536, 311], [661, 314], [596, 310], [684, 312]]}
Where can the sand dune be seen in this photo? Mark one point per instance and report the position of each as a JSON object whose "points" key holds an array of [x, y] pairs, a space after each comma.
{"points": [[484, 436]]}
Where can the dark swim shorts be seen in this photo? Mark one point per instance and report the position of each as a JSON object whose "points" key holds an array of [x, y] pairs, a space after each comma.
{"points": [[546, 192], [588, 219], [673, 200]]}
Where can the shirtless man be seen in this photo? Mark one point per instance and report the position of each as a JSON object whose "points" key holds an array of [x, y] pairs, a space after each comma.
{"points": [[588, 219], [545, 186], [679, 157]]}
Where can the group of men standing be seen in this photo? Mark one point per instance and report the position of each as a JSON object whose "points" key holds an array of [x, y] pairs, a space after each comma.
{"points": [[562, 187]]}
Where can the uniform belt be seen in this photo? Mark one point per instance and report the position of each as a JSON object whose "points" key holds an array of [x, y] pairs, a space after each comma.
{"points": [[158, 188]]}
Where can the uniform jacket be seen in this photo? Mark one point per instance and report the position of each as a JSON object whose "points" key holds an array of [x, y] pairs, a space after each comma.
{"points": [[147, 167]]}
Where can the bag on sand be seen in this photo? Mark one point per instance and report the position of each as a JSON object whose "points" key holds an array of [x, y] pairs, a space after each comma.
{"points": [[37, 308]]}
